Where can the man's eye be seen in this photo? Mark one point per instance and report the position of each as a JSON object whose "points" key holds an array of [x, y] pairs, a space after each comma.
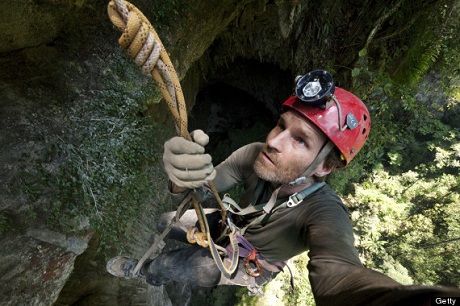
{"points": [[301, 142]]}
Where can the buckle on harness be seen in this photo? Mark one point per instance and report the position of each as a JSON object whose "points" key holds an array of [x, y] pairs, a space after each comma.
{"points": [[252, 264], [293, 200]]}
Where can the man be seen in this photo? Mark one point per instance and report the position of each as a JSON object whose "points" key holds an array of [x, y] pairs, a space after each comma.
{"points": [[286, 207]]}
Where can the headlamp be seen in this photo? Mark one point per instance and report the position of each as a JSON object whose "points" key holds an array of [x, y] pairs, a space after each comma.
{"points": [[315, 88]]}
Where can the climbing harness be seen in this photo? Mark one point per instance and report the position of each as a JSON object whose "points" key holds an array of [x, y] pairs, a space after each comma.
{"points": [[252, 259], [269, 207], [142, 43]]}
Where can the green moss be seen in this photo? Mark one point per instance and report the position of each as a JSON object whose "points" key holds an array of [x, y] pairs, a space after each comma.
{"points": [[108, 162], [6, 223]]}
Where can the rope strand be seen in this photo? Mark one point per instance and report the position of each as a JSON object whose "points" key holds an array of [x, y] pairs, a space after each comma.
{"points": [[142, 43], [145, 47]]}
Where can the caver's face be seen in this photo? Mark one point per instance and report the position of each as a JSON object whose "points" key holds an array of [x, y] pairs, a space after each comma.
{"points": [[289, 149]]}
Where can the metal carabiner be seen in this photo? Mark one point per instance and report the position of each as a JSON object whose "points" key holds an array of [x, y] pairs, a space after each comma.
{"points": [[252, 264]]}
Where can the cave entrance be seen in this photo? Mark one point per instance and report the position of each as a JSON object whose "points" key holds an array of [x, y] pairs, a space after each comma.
{"points": [[239, 106]]}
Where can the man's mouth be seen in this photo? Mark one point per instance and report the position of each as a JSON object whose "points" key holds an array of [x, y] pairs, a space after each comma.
{"points": [[267, 158]]}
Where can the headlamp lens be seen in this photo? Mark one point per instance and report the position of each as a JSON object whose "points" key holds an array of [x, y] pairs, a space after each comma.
{"points": [[316, 87], [311, 89]]}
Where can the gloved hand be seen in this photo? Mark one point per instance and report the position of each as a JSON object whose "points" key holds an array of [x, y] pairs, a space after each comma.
{"points": [[186, 163]]}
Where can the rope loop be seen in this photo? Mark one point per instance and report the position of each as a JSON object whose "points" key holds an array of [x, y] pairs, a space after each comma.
{"points": [[144, 46], [200, 238], [195, 236]]}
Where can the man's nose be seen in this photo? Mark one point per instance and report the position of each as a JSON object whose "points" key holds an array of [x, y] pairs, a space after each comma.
{"points": [[277, 142]]}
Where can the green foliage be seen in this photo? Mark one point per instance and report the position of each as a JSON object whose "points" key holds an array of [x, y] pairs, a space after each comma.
{"points": [[403, 187], [115, 162], [112, 165], [410, 43], [409, 220], [301, 294], [109, 160], [5, 223]]}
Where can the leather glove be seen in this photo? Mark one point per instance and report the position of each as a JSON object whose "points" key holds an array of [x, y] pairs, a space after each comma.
{"points": [[186, 163]]}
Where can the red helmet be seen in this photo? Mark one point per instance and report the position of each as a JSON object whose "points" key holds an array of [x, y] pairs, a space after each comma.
{"points": [[346, 122]]}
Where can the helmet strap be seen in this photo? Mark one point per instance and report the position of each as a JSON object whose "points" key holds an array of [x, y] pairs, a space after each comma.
{"points": [[318, 159], [304, 178]]}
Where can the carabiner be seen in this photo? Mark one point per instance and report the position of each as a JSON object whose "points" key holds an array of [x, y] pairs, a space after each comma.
{"points": [[252, 264]]}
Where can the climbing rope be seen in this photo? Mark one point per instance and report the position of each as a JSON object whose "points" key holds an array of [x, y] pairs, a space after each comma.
{"points": [[143, 44]]}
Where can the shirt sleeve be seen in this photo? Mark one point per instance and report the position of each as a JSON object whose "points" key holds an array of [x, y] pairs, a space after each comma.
{"points": [[336, 274], [237, 167]]}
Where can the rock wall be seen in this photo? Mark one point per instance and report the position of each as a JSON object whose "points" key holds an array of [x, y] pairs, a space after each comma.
{"points": [[58, 58], [70, 100]]}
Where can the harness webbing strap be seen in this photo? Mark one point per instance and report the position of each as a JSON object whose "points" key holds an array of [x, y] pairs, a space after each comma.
{"points": [[226, 271], [292, 201], [298, 197], [328, 146], [179, 212], [271, 203]]}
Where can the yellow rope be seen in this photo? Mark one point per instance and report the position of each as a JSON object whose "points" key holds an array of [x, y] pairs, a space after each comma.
{"points": [[142, 43]]}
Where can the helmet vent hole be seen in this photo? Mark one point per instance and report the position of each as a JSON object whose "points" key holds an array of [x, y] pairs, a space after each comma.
{"points": [[364, 130], [365, 117]]}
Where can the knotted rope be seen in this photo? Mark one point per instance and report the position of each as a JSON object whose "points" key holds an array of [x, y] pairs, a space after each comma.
{"points": [[144, 45]]}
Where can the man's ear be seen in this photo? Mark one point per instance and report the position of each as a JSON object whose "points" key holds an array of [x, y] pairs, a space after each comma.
{"points": [[321, 170]]}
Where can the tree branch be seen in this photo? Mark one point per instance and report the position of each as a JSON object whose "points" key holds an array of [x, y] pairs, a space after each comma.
{"points": [[441, 242]]}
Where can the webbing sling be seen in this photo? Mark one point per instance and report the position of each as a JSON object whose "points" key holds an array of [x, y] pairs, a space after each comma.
{"points": [[226, 271], [292, 201]]}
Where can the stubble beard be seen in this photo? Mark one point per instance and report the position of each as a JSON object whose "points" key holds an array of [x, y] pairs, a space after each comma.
{"points": [[277, 173]]}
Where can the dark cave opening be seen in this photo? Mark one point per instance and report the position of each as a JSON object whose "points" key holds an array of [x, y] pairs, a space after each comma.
{"points": [[227, 113], [240, 106]]}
